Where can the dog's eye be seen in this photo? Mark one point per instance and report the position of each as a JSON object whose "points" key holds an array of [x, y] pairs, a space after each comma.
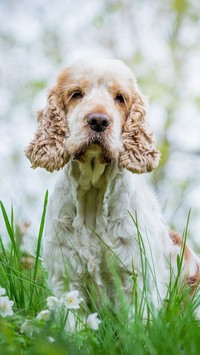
{"points": [[119, 99], [77, 95]]}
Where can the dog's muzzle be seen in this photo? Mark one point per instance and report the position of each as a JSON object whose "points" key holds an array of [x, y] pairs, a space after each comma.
{"points": [[98, 122]]}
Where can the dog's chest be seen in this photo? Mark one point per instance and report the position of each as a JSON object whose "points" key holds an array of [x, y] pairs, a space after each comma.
{"points": [[93, 218], [91, 204]]}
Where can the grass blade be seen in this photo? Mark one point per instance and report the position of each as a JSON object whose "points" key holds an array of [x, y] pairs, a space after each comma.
{"points": [[40, 234]]}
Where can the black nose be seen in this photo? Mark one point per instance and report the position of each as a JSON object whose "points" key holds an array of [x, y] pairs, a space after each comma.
{"points": [[98, 121]]}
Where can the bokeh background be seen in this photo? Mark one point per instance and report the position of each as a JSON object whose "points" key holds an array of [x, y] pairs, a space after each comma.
{"points": [[159, 40]]}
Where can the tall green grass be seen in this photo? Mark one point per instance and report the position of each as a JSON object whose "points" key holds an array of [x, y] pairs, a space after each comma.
{"points": [[25, 286], [171, 330]]}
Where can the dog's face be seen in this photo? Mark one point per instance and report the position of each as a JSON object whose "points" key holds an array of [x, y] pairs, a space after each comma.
{"points": [[94, 102], [97, 98]]}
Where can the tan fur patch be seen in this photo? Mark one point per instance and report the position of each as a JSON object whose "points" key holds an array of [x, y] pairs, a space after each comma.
{"points": [[139, 155], [99, 109], [177, 240]]}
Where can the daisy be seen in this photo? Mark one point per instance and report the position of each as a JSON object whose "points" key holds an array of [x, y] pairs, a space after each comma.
{"points": [[93, 322], [2, 291], [71, 300], [53, 303], [44, 315], [6, 306], [27, 328], [51, 340]]}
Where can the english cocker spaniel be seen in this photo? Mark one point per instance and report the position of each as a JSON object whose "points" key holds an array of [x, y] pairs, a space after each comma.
{"points": [[94, 128]]}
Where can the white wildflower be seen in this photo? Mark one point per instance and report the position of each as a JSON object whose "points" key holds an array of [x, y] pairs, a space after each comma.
{"points": [[51, 340], [27, 328], [71, 300], [93, 322], [53, 303], [44, 315], [2, 291], [6, 306]]}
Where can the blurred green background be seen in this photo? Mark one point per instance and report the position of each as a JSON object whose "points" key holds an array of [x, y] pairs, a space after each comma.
{"points": [[159, 40]]}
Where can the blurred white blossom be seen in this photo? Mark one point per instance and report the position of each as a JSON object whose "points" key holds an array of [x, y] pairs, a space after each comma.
{"points": [[93, 321], [2, 291], [71, 300], [44, 315], [51, 340], [27, 328], [6, 306], [53, 303]]}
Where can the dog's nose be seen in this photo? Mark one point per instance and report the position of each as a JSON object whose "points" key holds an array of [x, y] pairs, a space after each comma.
{"points": [[98, 121]]}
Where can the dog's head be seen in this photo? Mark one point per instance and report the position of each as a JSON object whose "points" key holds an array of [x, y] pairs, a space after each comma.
{"points": [[94, 102]]}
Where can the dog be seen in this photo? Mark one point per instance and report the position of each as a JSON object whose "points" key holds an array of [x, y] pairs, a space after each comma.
{"points": [[94, 128]]}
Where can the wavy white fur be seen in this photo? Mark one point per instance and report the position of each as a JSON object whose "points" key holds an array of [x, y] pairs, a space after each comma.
{"points": [[100, 186]]}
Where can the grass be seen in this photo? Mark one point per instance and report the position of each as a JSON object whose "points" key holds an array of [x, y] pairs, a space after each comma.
{"points": [[172, 330]]}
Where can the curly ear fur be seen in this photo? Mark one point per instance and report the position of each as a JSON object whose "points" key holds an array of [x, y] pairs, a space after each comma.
{"points": [[47, 149], [139, 154]]}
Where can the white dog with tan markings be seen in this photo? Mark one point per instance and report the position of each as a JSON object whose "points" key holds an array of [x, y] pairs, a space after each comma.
{"points": [[94, 127]]}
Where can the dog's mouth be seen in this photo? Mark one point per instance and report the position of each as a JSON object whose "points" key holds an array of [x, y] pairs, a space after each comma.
{"points": [[96, 143]]}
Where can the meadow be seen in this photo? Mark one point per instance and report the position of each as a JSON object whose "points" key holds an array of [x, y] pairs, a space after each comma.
{"points": [[33, 321], [160, 42]]}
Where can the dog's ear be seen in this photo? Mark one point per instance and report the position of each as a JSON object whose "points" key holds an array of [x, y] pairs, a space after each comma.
{"points": [[48, 148], [139, 153]]}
